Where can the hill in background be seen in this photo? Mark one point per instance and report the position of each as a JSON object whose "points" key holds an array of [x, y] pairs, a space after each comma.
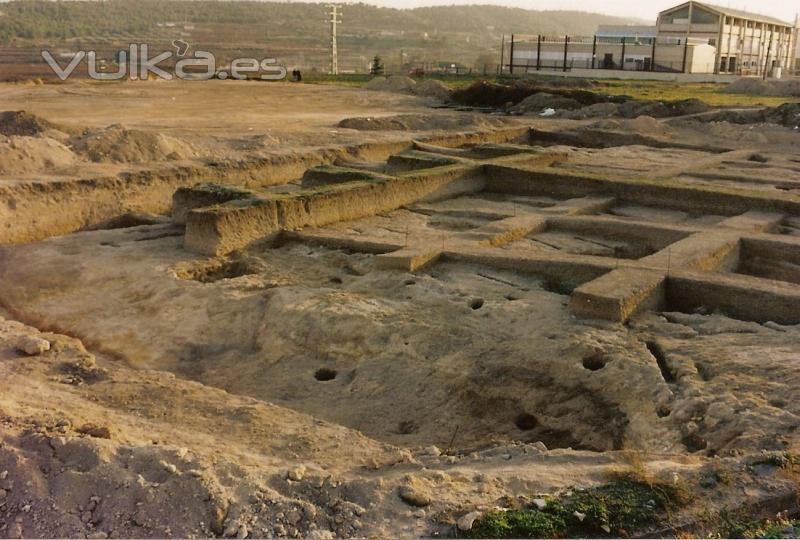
{"points": [[295, 33]]}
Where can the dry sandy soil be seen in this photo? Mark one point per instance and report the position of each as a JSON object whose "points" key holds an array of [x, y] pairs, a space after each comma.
{"points": [[301, 389]]}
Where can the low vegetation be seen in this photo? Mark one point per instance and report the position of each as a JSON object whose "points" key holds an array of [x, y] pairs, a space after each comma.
{"points": [[626, 505], [711, 93], [734, 525]]}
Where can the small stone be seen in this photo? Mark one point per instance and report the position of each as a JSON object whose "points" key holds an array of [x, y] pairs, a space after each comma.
{"points": [[419, 514], [541, 504], [3, 494], [466, 521], [581, 516], [320, 535], [26, 508], [231, 530], [293, 517], [243, 532], [413, 497], [433, 451], [296, 474], [540, 446], [32, 345], [774, 326], [219, 515], [97, 535], [92, 430], [606, 528]]}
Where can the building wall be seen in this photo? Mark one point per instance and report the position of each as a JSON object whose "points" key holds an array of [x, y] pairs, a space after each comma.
{"points": [[743, 44], [689, 38]]}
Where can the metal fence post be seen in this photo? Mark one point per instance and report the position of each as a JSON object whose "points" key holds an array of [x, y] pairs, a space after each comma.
{"points": [[653, 56], [685, 52], [511, 55], [538, 52]]}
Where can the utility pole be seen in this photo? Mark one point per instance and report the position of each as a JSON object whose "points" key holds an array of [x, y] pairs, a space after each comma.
{"points": [[334, 20]]}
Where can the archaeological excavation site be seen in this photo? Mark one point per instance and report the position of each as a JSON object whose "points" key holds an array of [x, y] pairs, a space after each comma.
{"points": [[401, 318]]}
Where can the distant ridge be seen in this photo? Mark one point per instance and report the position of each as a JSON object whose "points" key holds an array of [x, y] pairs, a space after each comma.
{"points": [[294, 30]]}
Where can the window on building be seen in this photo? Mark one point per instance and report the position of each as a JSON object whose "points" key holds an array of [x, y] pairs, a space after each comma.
{"points": [[701, 16], [679, 16]]}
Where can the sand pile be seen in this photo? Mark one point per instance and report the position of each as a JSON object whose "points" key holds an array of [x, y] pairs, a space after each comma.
{"points": [[759, 87], [421, 122], [394, 83], [23, 123], [27, 155], [120, 145]]}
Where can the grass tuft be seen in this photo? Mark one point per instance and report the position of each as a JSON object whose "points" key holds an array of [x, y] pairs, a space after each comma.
{"points": [[627, 505]]}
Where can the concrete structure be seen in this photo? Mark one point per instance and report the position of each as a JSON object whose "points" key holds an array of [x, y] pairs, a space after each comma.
{"points": [[689, 38]]}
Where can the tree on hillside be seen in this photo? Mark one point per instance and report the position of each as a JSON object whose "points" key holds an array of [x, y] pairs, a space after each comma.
{"points": [[376, 68]]}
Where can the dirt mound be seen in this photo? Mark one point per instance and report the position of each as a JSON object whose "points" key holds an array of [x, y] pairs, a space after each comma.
{"points": [[645, 125], [758, 87], [23, 123], [120, 145], [487, 94], [786, 115], [421, 122], [538, 102], [433, 89], [598, 110], [394, 83], [28, 155], [662, 109]]}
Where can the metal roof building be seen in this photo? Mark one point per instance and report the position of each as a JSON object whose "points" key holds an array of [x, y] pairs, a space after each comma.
{"points": [[746, 43]]}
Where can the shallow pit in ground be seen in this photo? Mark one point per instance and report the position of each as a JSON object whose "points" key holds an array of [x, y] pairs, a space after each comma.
{"points": [[585, 243], [762, 260], [217, 269], [404, 361], [454, 354], [635, 212]]}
